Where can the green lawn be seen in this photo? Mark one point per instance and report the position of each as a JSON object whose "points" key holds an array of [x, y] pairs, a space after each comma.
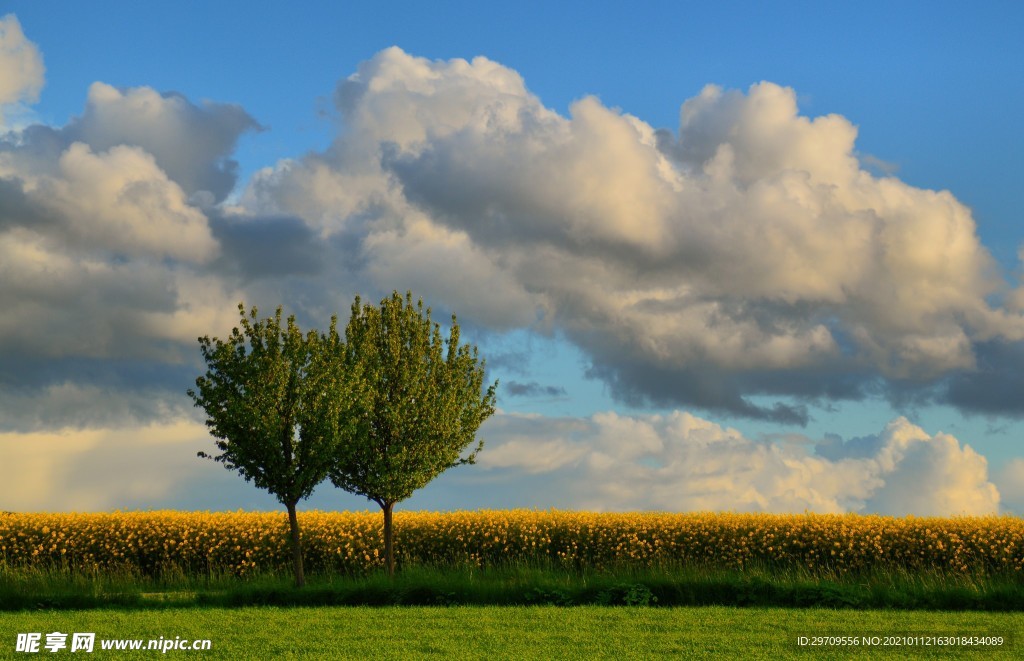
{"points": [[532, 632]]}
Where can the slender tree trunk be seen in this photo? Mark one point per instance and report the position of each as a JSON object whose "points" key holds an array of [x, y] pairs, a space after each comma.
{"points": [[293, 522], [389, 539]]}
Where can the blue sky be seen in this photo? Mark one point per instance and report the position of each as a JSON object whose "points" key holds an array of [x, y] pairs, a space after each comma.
{"points": [[769, 306]]}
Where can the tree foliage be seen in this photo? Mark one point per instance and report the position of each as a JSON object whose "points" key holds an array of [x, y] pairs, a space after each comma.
{"points": [[278, 402], [420, 409]]}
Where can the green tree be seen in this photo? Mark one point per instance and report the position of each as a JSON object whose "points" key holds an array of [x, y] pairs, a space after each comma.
{"points": [[276, 400], [421, 407]]}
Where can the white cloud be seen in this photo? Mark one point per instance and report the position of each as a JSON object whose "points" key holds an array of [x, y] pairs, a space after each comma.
{"points": [[119, 200], [457, 269], [749, 251], [190, 143], [930, 475], [607, 462], [21, 65], [100, 469], [127, 465], [534, 456], [679, 462]]}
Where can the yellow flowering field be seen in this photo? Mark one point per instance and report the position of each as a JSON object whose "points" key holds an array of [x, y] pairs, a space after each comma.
{"points": [[244, 543]]}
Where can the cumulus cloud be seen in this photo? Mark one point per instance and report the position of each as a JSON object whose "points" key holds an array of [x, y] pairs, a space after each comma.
{"points": [[87, 342], [746, 253], [679, 462], [120, 200], [21, 66], [1010, 480], [106, 468], [191, 143], [606, 462], [111, 263]]}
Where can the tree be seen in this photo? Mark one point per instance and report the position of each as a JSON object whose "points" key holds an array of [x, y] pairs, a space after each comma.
{"points": [[277, 401], [421, 407]]}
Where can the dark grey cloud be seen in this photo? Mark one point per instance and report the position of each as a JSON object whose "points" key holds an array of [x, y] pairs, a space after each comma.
{"points": [[532, 389], [643, 385], [267, 247], [994, 387], [834, 448], [16, 208]]}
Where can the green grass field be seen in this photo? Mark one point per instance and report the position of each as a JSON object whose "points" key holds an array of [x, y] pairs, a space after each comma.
{"points": [[508, 632]]}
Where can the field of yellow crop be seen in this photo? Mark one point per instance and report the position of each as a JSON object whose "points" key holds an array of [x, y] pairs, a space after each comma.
{"points": [[244, 543]]}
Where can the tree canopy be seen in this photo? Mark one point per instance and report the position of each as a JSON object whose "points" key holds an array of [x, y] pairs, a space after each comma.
{"points": [[277, 402], [421, 407]]}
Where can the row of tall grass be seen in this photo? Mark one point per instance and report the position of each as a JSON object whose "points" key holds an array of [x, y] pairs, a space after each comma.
{"points": [[517, 584]]}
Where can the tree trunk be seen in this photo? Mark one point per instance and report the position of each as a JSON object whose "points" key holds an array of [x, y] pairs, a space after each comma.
{"points": [[389, 539], [293, 522]]}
